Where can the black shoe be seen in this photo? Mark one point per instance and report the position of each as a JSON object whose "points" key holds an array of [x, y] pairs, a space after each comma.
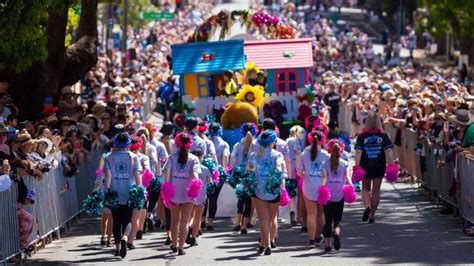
{"points": [[371, 220], [174, 249], [272, 244], [193, 242], [163, 227], [168, 241], [102, 241], [149, 224], [319, 239], [116, 253], [203, 225], [446, 211], [304, 229], [158, 223], [365, 216], [311, 243], [268, 251], [199, 233], [337, 242], [123, 248], [181, 252], [139, 234], [327, 249], [108, 244], [210, 228], [249, 225], [260, 250], [236, 228], [188, 238], [130, 246], [243, 231], [294, 223], [292, 219]]}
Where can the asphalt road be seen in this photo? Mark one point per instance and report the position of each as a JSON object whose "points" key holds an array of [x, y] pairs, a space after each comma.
{"points": [[408, 229]]}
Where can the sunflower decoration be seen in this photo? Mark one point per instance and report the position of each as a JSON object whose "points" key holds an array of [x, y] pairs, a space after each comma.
{"points": [[251, 94]]}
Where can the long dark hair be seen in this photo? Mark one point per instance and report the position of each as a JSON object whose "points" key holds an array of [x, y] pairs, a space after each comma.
{"points": [[314, 145], [183, 152], [335, 156]]}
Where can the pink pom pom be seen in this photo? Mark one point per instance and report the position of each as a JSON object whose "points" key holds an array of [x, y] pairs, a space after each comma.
{"points": [[99, 172], [194, 188], [324, 194], [358, 173], [284, 197], [300, 183], [167, 193], [350, 196], [215, 177], [391, 172], [228, 169], [147, 176]]}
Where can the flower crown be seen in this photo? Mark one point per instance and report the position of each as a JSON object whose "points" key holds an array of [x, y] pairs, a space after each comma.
{"points": [[203, 127], [321, 137], [269, 140], [334, 141], [138, 144], [215, 133], [178, 142], [253, 129]]}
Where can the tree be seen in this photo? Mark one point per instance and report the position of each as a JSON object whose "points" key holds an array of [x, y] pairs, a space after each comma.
{"points": [[34, 58], [455, 17]]}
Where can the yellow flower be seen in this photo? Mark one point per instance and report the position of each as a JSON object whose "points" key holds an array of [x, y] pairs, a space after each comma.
{"points": [[251, 65], [251, 94]]}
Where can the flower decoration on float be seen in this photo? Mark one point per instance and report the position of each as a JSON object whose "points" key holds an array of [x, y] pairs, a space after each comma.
{"points": [[251, 94]]}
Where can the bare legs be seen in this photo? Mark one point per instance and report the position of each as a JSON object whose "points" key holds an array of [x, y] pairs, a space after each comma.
{"points": [[267, 213], [371, 194], [180, 215], [197, 216]]}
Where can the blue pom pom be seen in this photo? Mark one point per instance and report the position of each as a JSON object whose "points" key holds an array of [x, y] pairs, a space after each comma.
{"points": [[273, 182], [211, 188], [209, 163], [155, 184], [136, 197], [111, 199], [94, 203], [291, 186]]}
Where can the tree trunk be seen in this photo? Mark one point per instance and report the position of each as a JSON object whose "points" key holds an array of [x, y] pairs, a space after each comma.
{"points": [[63, 66], [467, 47]]}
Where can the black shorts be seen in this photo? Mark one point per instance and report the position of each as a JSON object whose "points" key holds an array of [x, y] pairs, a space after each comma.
{"points": [[276, 200]]}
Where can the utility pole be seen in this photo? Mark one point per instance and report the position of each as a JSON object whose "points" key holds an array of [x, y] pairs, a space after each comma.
{"points": [[109, 14], [124, 33]]}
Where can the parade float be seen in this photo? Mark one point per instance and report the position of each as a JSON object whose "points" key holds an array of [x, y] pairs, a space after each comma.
{"points": [[281, 61]]}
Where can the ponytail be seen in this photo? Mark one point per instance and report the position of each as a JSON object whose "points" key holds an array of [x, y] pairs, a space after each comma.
{"points": [[248, 141], [335, 156], [144, 147], [314, 146], [183, 155]]}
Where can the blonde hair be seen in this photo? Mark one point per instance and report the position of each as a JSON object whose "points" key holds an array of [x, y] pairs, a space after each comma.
{"points": [[296, 131]]}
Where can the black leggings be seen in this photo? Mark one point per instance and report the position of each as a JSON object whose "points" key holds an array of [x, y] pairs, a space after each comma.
{"points": [[211, 202], [122, 215], [333, 215], [152, 200], [168, 219], [244, 207]]}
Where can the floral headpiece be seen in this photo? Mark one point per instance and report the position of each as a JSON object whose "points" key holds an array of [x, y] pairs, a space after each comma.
{"points": [[272, 137], [203, 126], [214, 133], [138, 143], [321, 137], [178, 142], [248, 127], [334, 141]]}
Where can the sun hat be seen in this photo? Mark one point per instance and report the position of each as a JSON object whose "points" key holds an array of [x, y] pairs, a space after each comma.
{"points": [[462, 117]]}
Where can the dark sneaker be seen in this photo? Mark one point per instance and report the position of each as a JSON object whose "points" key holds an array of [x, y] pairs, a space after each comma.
{"points": [[260, 250], [304, 229], [365, 215], [337, 242], [158, 223], [174, 249], [249, 225], [243, 231], [327, 249], [102, 241], [149, 224], [210, 228], [311, 243], [203, 225], [268, 251], [273, 245], [319, 239], [130, 246], [168, 241], [139, 234], [371, 220], [236, 228], [181, 252], [123, 248]]}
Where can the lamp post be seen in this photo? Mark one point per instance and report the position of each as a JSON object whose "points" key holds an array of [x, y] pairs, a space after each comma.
{"points": [[124, 33]]}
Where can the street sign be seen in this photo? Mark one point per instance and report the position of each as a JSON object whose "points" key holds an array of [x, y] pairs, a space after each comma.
{"points": [[156, 15]]}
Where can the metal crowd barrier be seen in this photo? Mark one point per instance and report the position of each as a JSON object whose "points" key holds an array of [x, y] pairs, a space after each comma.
{"points": [[9, 233], [439, 174]]}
